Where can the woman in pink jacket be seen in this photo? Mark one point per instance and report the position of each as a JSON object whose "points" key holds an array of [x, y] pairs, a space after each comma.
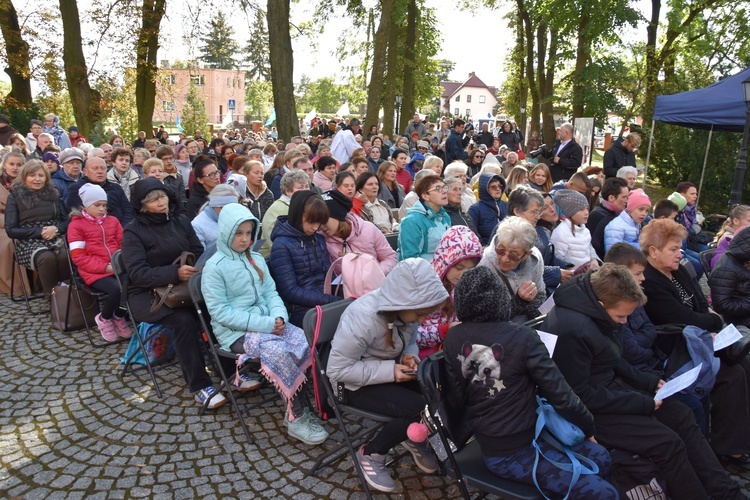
{"points": [[458, 250], [93, 237], [345, 232]]}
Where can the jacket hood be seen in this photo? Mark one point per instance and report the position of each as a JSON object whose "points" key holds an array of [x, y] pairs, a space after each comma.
{"points": [[577, 294], [457, 244], [739, 247], [143, 187], [421, 208], [230, 218], [412, 284], [484, 181], [297, 208]]}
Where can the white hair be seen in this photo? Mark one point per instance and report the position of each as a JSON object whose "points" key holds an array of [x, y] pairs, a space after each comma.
{"points": [[454, 169], [516, 232], [624, 171]]}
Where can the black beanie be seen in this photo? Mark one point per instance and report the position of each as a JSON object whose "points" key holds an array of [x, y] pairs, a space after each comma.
{"points": [[481, 297], [297, 208], [338, 204]]}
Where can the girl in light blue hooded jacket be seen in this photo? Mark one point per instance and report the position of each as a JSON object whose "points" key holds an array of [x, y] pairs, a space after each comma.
{"points": [[249, 318], [374, 357]]}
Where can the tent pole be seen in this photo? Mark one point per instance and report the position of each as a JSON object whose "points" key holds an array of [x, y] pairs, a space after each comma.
{"points": [[648, 153], [705, 160]]}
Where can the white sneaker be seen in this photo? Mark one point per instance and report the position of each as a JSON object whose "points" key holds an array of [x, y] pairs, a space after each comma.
{"points": [[247, 383], [216, 398]]}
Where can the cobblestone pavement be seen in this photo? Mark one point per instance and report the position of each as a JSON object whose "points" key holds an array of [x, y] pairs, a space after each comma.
{"points": [[71, 427]]}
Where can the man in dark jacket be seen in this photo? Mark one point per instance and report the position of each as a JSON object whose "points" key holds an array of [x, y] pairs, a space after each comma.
{"points": [[566, 154], [454, 147], [485, 136], [587, 315], [614, 198], [5, 130], [95, 172], [621, 154]]}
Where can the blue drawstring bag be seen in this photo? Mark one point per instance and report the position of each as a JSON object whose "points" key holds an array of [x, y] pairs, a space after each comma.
{"points": [[160, 348]]}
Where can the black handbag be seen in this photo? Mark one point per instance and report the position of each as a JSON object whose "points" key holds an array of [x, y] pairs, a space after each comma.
{"points": [[65, 308]]}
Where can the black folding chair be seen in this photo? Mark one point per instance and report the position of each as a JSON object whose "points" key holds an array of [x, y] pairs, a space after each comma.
{"points": [[536, 322], [351, 442], [21, 271], [77, 286], [194, 285], [467, 463], [705, 258], [119, 269], [392, 240]]}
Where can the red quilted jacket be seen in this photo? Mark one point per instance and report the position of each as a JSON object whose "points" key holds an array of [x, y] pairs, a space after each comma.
{"points": [[92, 245]]}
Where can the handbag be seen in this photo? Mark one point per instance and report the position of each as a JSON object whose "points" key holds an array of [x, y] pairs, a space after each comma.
{"points": [[561, 435], [174, 296], [158, 342], [65, 308]]}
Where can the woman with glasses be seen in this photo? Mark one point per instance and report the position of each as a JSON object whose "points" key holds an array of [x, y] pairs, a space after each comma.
{"points": [[425, 222], [513, 256], [207, 177], [528, 204], [474, 162]]}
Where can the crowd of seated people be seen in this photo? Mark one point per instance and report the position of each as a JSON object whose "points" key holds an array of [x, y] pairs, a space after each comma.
{"points": [[465, 265]]}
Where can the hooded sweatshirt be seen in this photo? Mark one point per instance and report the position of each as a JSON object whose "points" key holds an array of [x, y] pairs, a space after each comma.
{"points": [[589, 353], [360, 355], [237, 298], [494, 367], [364, 238], [457, 244], [488, 212]]}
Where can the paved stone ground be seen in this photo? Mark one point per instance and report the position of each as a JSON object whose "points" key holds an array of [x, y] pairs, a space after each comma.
{"points": [[71, 427]]}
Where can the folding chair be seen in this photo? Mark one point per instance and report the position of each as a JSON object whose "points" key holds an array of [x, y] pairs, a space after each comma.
{"points": [[705, 258], [351, 443], [194, 285], [392, 240], [21, 271], [536, 322], [76, 286], [467, 463], [119, 269]]}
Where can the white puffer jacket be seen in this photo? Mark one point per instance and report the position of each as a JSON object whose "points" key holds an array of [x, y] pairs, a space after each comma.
{"points": [[572, 247]]}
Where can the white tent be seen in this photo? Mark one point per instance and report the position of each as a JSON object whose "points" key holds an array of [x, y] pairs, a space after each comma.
{"points": [[343, 110]]}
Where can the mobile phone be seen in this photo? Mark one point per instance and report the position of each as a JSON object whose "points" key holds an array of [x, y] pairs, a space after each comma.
{"points": [[409, 372]]}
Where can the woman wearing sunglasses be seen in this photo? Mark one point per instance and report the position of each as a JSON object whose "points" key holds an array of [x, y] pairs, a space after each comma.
{"points": [[513, 256], [474, 162]]}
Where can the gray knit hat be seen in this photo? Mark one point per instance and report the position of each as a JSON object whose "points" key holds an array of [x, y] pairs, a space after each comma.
{"points": [[570, 202], [481, 297]]}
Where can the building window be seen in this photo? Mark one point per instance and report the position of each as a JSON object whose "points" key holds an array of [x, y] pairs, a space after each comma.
{"points": [[169, 79], [229, 82], [167, 105], [482, 99], [468, 112], [458, 98], [468, 98], [456, 111], [197, 79]]}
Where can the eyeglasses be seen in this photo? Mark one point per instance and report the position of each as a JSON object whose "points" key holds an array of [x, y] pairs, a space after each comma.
{"points": [[478, 156], [422, 148], [440, 189], [502, 252], [213, 175], [537, 213]]}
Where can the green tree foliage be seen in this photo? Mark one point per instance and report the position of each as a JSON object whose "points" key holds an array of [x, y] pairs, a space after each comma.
{"points": [[194, 116], [118, 104], [258, 99], [255, 52], [217, 45]]}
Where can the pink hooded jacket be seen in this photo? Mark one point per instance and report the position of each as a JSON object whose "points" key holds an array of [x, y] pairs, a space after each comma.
{"points": [[457, 244], [365, 238]]}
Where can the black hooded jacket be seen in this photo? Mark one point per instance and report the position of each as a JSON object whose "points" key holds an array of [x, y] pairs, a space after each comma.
{"points": [[151, 243], [589, 353], [730, 281], [494, 367]]}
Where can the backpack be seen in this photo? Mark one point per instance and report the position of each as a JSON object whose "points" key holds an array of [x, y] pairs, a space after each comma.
{"points": [[693, 347], [160, 348], [360, 274], [636, 477]]}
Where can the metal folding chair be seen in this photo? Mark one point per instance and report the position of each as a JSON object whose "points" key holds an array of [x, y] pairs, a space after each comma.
{"points": [[705, 258], [26, 296], [119, 268], [466, 463]]}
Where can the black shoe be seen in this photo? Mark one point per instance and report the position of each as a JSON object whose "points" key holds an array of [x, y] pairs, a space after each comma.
{"points": [[741, 461]]}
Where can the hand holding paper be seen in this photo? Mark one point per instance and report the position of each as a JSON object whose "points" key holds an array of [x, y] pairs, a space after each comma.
{"points": [[678, 383]]}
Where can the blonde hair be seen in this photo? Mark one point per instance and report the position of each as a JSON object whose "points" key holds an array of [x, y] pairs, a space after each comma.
{"points": [[152, 162], [737, 212], [30, 167]]}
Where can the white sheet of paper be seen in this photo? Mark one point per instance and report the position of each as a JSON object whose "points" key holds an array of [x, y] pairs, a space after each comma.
{"points": [[336, 280], [677, 384], [549, 340], [728, 336], [547, 305]]}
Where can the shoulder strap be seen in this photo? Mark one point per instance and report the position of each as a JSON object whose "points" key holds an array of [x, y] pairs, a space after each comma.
{"points": [[316, 391]]}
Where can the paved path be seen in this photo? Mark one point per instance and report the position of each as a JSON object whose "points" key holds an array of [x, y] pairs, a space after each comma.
{"points": [[70, 427]]}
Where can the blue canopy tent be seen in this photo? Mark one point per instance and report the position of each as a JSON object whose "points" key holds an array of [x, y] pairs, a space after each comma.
{"points": [[720, 106]]}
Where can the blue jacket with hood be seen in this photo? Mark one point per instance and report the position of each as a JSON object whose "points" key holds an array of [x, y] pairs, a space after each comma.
{"points": [[299, 264], [488, 212], [237, 298]]}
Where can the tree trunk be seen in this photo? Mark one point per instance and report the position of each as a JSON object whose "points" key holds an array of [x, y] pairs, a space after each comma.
{"points": [[583, 54], [652, 67], [532, 84], [548, 93], [380, 46], [17, 54], [282, 68], [523, 84], [391, 70], [85, 100], [146, 63], [410, 64]]}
